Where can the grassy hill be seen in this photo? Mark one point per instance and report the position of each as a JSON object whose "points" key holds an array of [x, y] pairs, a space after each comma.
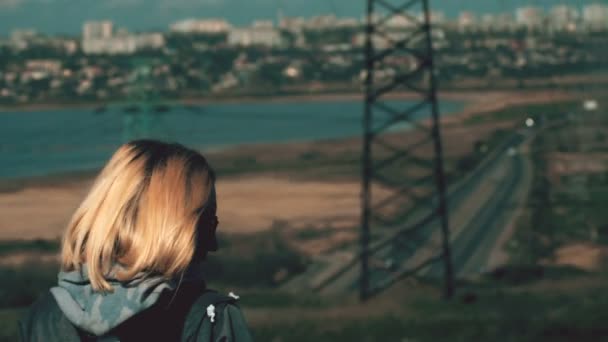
{"points": [[551, 305]]}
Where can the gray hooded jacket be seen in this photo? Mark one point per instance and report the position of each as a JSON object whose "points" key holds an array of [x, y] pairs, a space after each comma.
{"points": [[143, 309]]}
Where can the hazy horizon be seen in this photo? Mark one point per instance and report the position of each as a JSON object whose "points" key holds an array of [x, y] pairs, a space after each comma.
{"points": [[67, 16]]}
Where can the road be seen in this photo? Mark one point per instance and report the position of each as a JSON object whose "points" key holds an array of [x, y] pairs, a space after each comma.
{"points": [[481, 207], [473, 247]]}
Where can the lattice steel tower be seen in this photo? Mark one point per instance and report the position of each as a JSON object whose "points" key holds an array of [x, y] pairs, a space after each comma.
{"points": [[404, 221]]}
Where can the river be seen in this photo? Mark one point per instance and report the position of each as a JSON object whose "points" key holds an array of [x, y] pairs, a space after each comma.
{"points": [[39, 143]]}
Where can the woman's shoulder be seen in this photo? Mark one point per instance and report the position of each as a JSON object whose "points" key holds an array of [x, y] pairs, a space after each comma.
{"points": [[217, 315], [44, 321], [210, 314]]}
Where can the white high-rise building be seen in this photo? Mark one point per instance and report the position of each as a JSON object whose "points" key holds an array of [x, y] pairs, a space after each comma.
{"points": [[496, 22], [153, 41], [595, 16], [124, 44], [98, 37], [322, 22], [292, 24], [21, 38], [209, 26], [262, 33], [399, 22], [564, 17], [97, 30], [529, 16], [111, 46]]}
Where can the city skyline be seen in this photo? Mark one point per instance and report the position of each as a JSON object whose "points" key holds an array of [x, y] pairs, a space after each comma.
{"points": [[16, 14]]}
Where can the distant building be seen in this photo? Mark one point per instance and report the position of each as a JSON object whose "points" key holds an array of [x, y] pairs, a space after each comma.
{"points": [[488, 20], [127, 44], [292, 24], [49, 66], [322, 22], [295, 26], [97, 30], [149, 41], [497, 22], [531, 17], [466, 20], [98, 37], [325, 22], [563, 17], [23, 34], [70, 46], [382, 42], [110, 46], [208, 26], [21, 39], [348, 23], [595, 16], [437, 17], [400, 21], [260, 34], [505, 22]]}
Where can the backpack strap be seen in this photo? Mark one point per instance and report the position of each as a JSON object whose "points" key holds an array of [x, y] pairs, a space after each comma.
{"points": [[189, 308], [207, 307]]}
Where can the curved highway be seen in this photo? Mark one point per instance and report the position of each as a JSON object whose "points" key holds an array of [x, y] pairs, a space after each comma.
{"points": [[480, 207]]}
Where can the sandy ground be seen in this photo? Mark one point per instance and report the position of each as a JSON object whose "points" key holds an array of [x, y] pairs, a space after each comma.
{"points": [[249, 204], [245, 205], [494, 101], [38, 211], [586, 256], [255, 203]]}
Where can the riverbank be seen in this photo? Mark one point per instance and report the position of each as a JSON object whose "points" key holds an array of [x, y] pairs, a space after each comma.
{"points": [[487, 100], [305, 185], [261, 184]]}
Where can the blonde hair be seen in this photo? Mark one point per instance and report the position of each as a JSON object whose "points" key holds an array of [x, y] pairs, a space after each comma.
{"points": [[141, 214]]}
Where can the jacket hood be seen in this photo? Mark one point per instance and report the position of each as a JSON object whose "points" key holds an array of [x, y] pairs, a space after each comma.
{"points": [[98, 313]]}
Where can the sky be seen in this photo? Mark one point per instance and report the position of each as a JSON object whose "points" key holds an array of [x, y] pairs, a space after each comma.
{"points": [[67, 16]]}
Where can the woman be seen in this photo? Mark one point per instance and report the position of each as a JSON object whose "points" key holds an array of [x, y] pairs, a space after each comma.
{"points": [[131, 256]]}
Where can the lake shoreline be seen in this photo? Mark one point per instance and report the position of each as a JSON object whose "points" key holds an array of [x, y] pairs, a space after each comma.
{"points": [[474, 104], [464, 96], [252, 199]]}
